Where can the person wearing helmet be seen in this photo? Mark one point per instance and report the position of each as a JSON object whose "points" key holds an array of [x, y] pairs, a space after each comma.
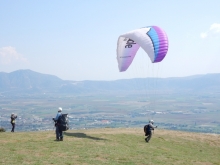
{"points": [[13, 117], [148, 130], [59, 133]]}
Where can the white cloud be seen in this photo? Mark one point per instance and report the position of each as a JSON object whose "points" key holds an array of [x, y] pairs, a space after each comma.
{"points": [[213, 30], [10, 55]]}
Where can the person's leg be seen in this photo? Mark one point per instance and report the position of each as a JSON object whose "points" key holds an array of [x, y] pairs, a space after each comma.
{"points": [[57, 133], [13, 127], [61, 135], [146, 139], [149, 136], [146, 134]]}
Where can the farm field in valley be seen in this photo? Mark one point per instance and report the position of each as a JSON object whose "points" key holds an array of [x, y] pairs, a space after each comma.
{"points": [[196, 113]]}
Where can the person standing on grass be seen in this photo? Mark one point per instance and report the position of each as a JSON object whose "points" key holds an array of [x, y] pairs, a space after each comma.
{"points": [[59, 132], [13, 117], [148, 130]]}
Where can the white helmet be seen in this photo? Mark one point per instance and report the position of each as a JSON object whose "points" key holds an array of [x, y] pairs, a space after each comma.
{"points": [[12, 113], [151, 121], [59, 109]]}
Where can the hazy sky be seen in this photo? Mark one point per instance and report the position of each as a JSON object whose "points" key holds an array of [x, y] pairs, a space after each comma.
{"points": [[77, 40]]}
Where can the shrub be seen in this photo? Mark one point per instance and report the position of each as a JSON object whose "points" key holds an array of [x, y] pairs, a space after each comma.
{"points": [[2, 129]]}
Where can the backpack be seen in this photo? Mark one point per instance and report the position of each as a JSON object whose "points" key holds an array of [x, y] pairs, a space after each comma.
{"points": [[63, 122], [146, 127]]}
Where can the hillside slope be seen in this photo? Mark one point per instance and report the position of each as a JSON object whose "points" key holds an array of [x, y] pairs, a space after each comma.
{"points": [[110, 146], [29, 82]]}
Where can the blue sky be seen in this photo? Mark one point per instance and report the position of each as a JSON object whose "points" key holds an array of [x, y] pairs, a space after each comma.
{"points": [[77, 40]]}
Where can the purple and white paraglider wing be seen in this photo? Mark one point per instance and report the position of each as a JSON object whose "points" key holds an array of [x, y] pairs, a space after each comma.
{"points": [[152, 39]]}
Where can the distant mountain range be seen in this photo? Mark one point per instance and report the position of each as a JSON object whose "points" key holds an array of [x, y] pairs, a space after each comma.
{"points": [[30, 82]]}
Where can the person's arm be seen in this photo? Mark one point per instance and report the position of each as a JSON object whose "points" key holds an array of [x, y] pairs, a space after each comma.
{"points": [[152, 126], [56, 118]]}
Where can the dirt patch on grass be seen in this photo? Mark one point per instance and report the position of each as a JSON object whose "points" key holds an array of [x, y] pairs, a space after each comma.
{"points": [[211, 139]]}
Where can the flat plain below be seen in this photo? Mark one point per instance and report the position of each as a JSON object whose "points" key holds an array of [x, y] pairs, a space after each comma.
{"points": [[110, 146]]}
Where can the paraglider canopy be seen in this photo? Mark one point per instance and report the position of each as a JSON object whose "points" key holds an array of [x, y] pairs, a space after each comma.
{"points": [[152, 39]]}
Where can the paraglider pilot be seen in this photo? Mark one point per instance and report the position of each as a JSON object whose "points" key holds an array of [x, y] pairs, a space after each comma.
{"points": [[13, 117], [148, 130], [59, 132]]}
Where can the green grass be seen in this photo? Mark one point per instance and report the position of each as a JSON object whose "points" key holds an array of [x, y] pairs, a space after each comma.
{"points": [[109, 146]]}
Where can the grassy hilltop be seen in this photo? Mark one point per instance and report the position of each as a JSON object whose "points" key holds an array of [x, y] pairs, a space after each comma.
{"points": [[110, 146]]}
